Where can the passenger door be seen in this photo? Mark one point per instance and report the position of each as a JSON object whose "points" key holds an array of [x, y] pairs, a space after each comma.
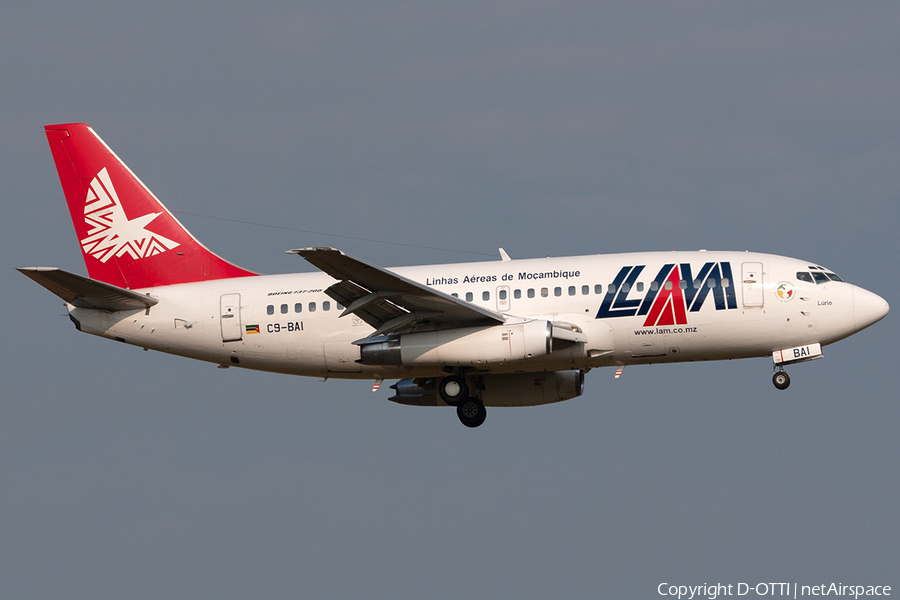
{"points": [[752, 284]]}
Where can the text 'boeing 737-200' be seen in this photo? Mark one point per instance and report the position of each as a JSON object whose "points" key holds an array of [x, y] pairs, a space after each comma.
{"points": [[469, 335]]}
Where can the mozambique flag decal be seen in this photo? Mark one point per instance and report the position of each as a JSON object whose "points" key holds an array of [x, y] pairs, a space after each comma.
{"points": [[252, 328]]}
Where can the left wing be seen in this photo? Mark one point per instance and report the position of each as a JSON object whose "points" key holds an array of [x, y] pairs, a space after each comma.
{"points": [[389, 302]]}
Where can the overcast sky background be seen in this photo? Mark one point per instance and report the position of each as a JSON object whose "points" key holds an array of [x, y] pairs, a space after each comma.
{"points": [[548, 129]]}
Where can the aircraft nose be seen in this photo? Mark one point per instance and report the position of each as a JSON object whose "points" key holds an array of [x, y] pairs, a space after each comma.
{"points": [[868, 308]]}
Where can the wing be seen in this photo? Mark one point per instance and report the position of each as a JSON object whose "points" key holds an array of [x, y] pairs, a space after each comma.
{"points": [[389, 302], [87, 293]]}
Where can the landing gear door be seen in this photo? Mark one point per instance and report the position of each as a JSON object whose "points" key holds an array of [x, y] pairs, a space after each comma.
{"points": [[752, 284], [230, 311]]}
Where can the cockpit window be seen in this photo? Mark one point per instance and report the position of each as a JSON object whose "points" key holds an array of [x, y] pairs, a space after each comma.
{"points": [[818, 275]]}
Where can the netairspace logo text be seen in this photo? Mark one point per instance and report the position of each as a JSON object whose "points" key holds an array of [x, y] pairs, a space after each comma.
{"points": [[791, 590]]}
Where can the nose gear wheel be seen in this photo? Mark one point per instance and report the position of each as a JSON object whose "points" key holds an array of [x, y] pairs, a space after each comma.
{"points": [[781, 380]]}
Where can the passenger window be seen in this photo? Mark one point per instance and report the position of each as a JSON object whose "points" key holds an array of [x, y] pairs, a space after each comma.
{"points": [[585, 290], [298, 307], [682, 284], [544, 292], [598, 288], [654, 286], [571, 290], [312, 307], [557, 291], [640, 286], [326, 305], [626, 287], [469, 297], [284, 309], [726, 282], [697, 284], [668, 284], [485, 296], [710, 283], [531, 292], [270, 309], [611, 288], [804, 276], [340, 306], [517, 294], [502, 294], [455, 295]]}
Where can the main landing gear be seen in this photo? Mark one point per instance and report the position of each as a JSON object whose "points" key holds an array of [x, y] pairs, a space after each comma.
{"points": [[781, 380], [455, 392], [471, 412]]}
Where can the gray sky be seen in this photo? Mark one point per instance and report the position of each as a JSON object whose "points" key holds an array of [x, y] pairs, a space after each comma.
{"points": [[546, 129]]}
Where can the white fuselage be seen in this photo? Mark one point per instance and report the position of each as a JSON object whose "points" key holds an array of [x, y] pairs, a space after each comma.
{"points": [[718, 305]]}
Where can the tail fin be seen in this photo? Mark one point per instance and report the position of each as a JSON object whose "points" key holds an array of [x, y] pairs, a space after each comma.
{"points": [[128, 238]]}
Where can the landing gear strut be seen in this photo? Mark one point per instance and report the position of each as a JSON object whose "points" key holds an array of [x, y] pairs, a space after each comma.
{"points": [[781, 380], [471, 412]]}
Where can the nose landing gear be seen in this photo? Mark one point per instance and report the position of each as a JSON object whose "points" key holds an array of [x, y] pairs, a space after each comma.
{"points": [[792, 356], [781, 380]]}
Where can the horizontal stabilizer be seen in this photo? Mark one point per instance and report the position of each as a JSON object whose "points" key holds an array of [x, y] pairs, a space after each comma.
{"points": [[83, 292]]}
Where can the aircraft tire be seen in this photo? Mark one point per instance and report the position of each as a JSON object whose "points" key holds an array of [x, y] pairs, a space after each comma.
{"points": [[471, 412], [453, 390], [781, 380]]}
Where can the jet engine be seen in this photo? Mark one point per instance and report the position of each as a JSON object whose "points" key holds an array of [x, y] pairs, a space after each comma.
{"points": [[463, 346], [519, 389]]}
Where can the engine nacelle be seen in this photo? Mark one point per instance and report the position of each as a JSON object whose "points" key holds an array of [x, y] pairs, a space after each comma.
{"points": [[416, 392], [531, 389], [463, 346], [520, 389]]}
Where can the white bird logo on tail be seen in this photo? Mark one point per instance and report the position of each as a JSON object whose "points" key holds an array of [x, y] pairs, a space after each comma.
{"points": [[110, 232]]}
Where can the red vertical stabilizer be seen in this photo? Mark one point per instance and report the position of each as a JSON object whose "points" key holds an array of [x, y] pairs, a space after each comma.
{"points": [[128, 238]]}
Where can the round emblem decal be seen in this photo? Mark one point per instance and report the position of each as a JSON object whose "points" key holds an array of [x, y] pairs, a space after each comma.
{"points": [[785, 291]]}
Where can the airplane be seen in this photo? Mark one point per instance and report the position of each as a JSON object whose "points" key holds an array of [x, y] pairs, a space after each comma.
{"points": [[467, 335]]}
